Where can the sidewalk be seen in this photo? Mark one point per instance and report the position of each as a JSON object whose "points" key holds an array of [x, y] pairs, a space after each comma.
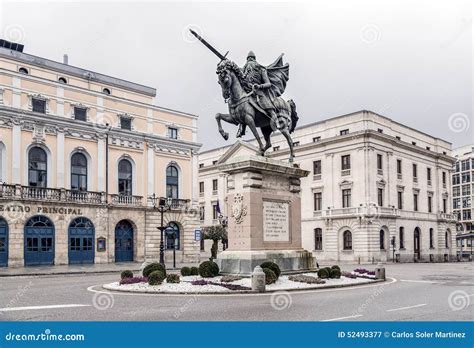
{"points": [[77, 269]]}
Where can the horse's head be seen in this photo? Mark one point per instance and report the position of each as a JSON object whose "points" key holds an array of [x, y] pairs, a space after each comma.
{"points": [[224, 77]]}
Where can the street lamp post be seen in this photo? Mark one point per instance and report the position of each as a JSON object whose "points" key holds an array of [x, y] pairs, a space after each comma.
{"points": [[164, 204], [171, 234]]}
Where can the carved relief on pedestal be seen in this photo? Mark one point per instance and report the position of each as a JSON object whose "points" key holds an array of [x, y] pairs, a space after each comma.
{"points": [[239, 209]]}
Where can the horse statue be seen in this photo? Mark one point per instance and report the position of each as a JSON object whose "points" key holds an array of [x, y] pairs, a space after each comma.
{"points": [[244, 110], [254, 98]]}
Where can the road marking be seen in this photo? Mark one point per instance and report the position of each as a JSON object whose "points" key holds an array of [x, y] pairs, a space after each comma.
{"points": [[421, 281], [12, 309], [342, 318], [402, 308]]}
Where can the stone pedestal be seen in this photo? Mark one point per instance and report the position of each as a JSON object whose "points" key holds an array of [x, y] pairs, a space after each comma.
{"points": [[264, 210]]}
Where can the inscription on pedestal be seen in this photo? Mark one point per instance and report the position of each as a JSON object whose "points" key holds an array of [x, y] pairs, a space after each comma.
{"points": [[275, 222]]}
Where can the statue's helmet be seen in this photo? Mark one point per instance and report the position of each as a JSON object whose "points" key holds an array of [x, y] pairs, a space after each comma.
{"points": [[251, 54]]}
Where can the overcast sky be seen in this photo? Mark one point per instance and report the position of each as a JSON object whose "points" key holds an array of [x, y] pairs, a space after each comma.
{"points": [[408, 60]]}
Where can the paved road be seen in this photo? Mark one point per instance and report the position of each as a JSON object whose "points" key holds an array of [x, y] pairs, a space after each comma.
{"points": [[419, 292]]}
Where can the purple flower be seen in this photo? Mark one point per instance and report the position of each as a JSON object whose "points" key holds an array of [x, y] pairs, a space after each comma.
{"points": [[133, 280]]}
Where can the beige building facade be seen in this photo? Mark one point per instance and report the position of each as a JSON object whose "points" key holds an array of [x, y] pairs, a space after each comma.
{"points": [[83, 160], [373, 182]]}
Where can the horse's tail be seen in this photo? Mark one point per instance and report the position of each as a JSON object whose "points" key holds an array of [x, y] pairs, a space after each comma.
{"points": [[294, 115]]}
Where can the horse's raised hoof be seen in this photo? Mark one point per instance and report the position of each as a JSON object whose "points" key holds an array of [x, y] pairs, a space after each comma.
{"points": [[225, 136]]}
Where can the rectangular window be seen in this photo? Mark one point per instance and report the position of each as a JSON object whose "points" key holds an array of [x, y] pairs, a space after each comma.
{"points": [[344, 132], [214, 185], [80, 114], [428, 175], [415, 202], [465, 177], [39, 105], [456, 191], [276, 148], [466, 190], [380, 197], [214, 162], [173, 133], [456, 179], [379, 162], [400, 199], [318, 239], [428, 148], [456, 204], [215, 213], [318, 201], [201, 165], [430, 204], [413, 143], [346, 162], [346, 198], [465, 165], [398, 138], [201, 213], [380, 130], [415, 171], [399, 168], [296, 143], [201, 187], [317, 167], [126, 123], [316, 139]]}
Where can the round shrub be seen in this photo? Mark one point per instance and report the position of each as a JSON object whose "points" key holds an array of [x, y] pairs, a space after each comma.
{"points": [[156, 278], [336, 267], [185, 271], [208, 269], [273, 266], [335, 273], [270, 276], [126, 274], [152, 267], [172, 278], [323, 273], [194, 271]]}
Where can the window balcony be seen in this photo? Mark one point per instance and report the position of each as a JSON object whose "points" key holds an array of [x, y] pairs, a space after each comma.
{"points": [[214, 192], [379, 172], [399, 176], [316, 177], [345, 172], [429, 182], [415, 179], [361, 211], [125, 200]]}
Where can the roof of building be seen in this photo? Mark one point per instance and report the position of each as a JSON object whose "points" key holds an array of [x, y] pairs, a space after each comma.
{"points": [[75, 71]]}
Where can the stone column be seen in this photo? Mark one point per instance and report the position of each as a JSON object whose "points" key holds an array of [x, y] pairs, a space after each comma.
{"points": [[16, 153], [60, 159]]}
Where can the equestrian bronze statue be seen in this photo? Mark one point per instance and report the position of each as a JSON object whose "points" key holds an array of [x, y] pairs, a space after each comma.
{"points": [[253, 95]]}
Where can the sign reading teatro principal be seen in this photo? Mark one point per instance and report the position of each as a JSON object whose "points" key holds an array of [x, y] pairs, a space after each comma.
{"points": [[275, 222]]}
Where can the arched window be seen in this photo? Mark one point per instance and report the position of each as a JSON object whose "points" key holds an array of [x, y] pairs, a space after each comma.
{"points": [[37, 167], [169, 241], [347, 237], [62, 80], [39, 221], [23, 71], [431, 238], [446, 239], [79, 172], [172, 182], [125, 177], [318, 239], [402, 238], [382, 239], [106, 91]]}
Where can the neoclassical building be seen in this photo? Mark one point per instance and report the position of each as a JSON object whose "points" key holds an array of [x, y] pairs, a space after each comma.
{"points": [[378, 190], [83, 159]]}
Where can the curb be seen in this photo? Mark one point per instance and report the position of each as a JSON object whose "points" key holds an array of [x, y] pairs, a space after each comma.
{"points": [[239, 292]]}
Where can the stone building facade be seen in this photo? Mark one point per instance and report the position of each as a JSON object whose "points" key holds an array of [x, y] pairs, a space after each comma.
{"points": [[463, 195], [83, 160], [373, 182]]}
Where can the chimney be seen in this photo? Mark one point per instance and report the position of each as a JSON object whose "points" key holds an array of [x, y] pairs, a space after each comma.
{"points": [[65, 59]]}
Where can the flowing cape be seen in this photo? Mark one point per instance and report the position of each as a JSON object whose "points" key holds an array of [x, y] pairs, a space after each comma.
{"points": [[278, 74]]}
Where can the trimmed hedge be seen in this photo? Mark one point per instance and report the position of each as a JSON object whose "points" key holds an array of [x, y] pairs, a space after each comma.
{"points": [[323, 273], [335, 273], [273, 266], [172, 278], [270, 276], [194, 271], [208, 269], [185, 271], [152, 267], [126, 274], [156, 278]]}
